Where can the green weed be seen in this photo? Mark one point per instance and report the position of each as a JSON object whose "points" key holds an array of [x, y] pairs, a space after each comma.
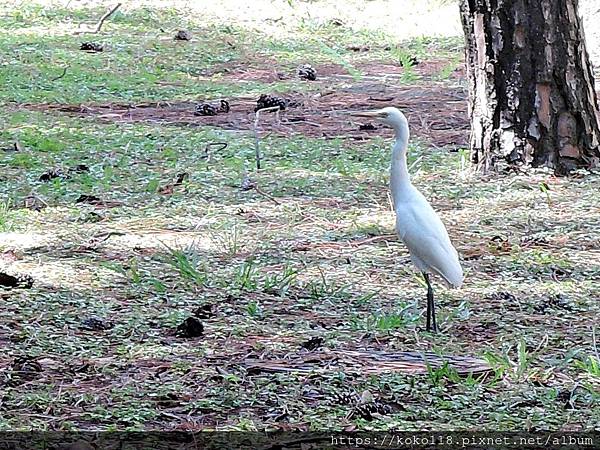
{"points": [[190, 264], [6, 217], [247, 276], [590, 364], [280, 283], [253, 309]]}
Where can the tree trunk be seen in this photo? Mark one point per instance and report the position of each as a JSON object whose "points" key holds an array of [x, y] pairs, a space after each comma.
{"points": [[532, 100]]}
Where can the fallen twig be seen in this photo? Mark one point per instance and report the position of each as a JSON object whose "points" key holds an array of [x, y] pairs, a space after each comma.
{"points": [[101, 237], [64, 72], [381, 99], [382, 237], [249, 184], [264, 194], [221, 145], [106, 16], [102, 20]]}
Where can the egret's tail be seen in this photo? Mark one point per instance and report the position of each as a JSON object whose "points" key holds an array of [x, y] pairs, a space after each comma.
{"points": [[452, 275]]}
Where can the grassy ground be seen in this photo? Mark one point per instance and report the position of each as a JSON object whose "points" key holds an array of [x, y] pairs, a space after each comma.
{"points": [[304, 265]]}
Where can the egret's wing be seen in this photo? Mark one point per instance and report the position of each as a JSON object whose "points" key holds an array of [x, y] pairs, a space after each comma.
{"points": [[435, 255], [425, 236]]}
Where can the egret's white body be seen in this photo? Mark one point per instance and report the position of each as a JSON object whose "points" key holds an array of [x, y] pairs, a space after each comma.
{"points": [[417, 224]]}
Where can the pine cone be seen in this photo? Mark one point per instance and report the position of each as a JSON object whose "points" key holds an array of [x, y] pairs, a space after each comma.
{"points": [[346, 398], [381, 408], [313, 343], [190, 328], [23, 369], [362, 411], [367, 127], [206, 311], [208, 109], [224, 106], [366, 411], [91, 47], [269, 101], [54, 173], [306, 72], [205, 109], [26, 364]]}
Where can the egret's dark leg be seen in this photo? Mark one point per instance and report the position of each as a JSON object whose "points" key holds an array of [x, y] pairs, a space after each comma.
{"points": [[431, 323]]}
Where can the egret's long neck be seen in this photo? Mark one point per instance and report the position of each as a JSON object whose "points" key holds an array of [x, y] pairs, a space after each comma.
{"points": [[399, 177]]}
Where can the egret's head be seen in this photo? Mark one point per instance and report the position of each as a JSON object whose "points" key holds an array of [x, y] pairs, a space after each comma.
{"points": [[389, 115]]}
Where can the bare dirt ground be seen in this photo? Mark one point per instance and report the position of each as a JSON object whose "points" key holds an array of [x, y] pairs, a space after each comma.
{"points": [[438, 112]]}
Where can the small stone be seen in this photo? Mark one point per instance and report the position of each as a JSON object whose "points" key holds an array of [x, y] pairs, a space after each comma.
{"points": [[16, 280], [94, 323], [183, 35], [313, 343]]}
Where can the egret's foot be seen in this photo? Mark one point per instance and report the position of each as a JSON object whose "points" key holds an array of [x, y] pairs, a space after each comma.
{"points": [[432, 329]]}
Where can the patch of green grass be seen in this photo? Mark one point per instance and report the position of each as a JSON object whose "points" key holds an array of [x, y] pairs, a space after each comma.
{"points": [[448, 69], [140, 63], [591, 365], [254, 309], [247, 276], [384, 322], [279, 283], [444, 372], [136, 65], [189, 263], [7, 217], [423, 45], [326, 289], [388, 322]]}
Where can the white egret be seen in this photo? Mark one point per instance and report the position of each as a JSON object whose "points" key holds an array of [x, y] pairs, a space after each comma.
{"points": [[417, 224]]}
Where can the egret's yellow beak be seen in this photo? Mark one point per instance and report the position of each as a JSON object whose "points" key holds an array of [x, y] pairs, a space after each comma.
{"points": [[367, 114]]}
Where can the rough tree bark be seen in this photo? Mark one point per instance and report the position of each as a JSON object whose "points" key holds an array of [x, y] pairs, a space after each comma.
{"points": [[532, 100]]}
